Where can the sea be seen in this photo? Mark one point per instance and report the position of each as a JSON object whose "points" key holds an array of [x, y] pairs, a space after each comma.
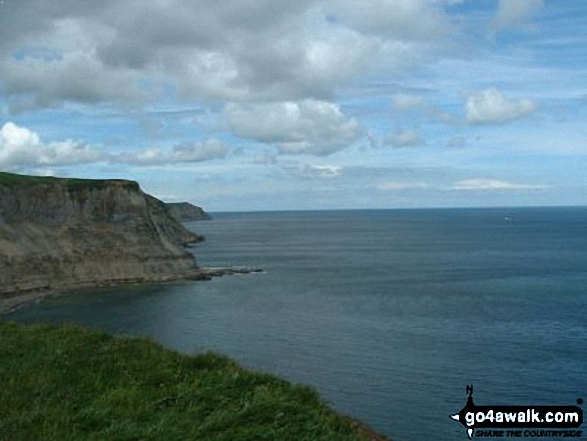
{"points": [[389, 314]]}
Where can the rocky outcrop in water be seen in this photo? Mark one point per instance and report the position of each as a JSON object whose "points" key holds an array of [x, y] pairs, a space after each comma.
{"points": [[58, 233]]}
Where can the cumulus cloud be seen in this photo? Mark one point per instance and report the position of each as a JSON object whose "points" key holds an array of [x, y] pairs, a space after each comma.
{"points": [[58, 61], [417, 19], [76, 77], [405, 138], [180, 153], [309, 126], [23, 148], [512, 13], [198, 152], [482, 184], [235, 50], [20, 147], [492, 106]]}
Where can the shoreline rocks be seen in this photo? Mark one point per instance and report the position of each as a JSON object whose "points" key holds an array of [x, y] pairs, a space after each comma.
{"points": [[13, 300]]}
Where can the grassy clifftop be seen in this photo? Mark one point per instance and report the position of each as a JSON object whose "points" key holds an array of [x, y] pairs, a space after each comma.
{"points": [[12, 179], [68, 383]]}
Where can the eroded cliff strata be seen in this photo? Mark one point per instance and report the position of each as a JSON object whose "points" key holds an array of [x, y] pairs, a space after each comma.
{"points": [[57, 233]]}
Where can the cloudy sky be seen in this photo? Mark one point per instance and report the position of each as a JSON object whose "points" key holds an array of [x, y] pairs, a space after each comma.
{"points": [[307, 104]]}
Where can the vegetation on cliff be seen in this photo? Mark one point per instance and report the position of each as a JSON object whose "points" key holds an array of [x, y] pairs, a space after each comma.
{"points": [[186, 212], [12, 179], [68, 383]]}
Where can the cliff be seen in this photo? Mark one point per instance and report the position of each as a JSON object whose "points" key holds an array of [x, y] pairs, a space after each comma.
{"points": [[186, 212], [58, 233]]}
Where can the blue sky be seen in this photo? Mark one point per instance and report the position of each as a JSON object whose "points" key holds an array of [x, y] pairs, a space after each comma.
{"points": [[315, 104]]}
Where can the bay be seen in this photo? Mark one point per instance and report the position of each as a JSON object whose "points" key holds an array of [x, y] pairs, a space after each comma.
{"points": [[388, 313]]}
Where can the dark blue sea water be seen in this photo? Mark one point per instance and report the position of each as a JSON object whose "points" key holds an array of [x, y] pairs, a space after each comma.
{"points": [[389, 314]]}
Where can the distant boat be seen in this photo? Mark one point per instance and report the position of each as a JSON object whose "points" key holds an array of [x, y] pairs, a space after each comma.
{"points": [[509, 219]]}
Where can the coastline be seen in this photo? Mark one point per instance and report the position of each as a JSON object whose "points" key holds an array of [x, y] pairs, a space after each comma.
{"points": [[12, 300], [62, 235]]}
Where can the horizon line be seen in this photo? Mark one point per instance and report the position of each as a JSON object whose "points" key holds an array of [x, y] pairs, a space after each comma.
{"points": [[393, 208]]}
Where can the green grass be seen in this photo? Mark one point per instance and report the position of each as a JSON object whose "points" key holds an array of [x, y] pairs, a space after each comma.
{"points": [[12, 179], [69, 383]]}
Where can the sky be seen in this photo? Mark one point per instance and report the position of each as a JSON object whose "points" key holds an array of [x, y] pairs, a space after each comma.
{"points": [[246, 105]]}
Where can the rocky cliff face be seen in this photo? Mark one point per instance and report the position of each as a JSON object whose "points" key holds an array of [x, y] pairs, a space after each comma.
{"points": [[70, 232], [186, 212]]}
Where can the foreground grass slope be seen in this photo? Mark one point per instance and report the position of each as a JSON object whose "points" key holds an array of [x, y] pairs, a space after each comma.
{"points": [[69, 383]]}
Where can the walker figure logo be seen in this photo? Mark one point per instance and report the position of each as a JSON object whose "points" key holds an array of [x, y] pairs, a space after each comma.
{"points": [[509, 421]]}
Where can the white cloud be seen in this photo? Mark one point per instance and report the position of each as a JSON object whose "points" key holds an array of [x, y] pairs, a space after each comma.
{"points": [[512, 13], [492, 106], [23, 148], [310, 126], [482, 184], [181, 153], [198, 152], [413, 19], [404, 101], [405, 138], [314, 171], [243, 50], [20, 147], [66, 66]]}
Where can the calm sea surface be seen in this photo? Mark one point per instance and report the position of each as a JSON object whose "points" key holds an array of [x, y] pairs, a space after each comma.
{"points": [[389, 314]]}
